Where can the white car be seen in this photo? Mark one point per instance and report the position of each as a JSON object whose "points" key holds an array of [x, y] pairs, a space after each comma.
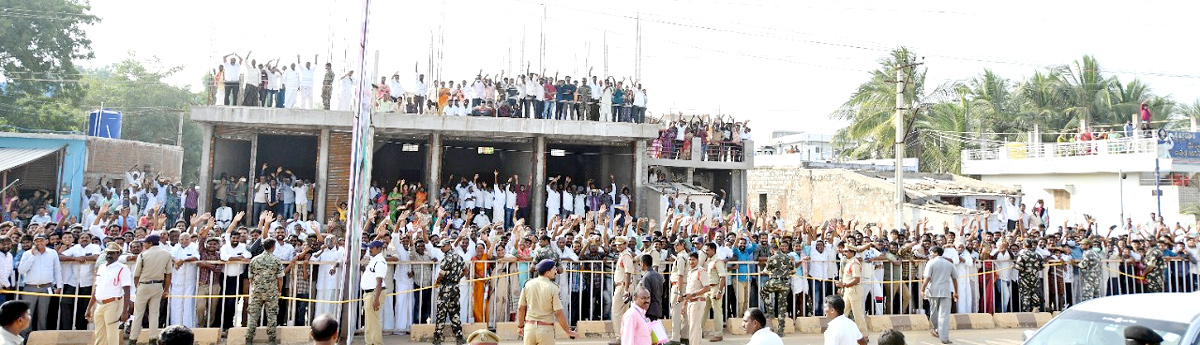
{"points": [[1174, 316]]}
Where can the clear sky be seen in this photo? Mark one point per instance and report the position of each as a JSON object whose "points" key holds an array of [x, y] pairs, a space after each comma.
{"points": [[783, 64]]}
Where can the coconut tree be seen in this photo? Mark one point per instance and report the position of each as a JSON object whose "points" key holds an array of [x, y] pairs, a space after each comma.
{"points": [[1087, 89], [871, 109]]}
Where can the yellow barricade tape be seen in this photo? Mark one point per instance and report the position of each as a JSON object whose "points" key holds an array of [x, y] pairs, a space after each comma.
{"points": [[1123, 273]]}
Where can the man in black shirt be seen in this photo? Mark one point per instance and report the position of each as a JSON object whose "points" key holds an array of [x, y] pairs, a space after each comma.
{"points": [[652, 281]]}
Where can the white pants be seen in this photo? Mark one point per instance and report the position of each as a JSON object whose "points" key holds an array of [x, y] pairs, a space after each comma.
{"points": [[326, 308], [606, 112], [306, 101], [183, 310], [404, 306], [387, 312], [345, 100], [289, 97], [966, 297], [498, 214], [464, 302]]}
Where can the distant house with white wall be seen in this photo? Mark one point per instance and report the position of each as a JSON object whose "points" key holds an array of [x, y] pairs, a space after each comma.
{"points": [[1107, 179]]}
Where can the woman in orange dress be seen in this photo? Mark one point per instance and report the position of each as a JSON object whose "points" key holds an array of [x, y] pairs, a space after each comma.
{"points": [[482, 266], [443, 97]]}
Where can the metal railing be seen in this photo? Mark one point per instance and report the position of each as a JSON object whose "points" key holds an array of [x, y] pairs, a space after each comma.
{"points": [[490, 291], [1065, 149]]}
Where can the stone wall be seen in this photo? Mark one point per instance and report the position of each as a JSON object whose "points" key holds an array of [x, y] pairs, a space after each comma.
{"points": [[819, 194], [111, 158]]}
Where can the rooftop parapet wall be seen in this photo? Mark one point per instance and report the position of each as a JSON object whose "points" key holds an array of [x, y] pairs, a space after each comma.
{"points": [[409, 123]]}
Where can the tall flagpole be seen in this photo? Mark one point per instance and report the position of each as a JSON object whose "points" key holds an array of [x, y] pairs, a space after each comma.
{"points": [[360, 173]]}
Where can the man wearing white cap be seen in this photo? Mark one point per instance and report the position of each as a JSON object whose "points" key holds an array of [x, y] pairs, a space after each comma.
{"points": [[110, 302]]}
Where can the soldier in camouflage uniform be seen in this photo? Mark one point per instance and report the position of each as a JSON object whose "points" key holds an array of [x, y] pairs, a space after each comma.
{"points": [[327, 86], [775, 291], [1089, 271], [543, 252], [1029, 265], [1153, 261], [266, 277], [452, 269]]}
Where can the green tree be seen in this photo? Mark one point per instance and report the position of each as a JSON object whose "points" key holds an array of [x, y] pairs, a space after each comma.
{"points": [[150, 107], [39, 44], [871, 110]]}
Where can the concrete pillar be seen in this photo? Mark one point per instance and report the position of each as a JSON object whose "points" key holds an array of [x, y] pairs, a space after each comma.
{"points": [[696, 149], [322, 175], [206, 166], [639, 178], [250, 217], [690, 174], [737, 189], [538, 190], [433, 166]]}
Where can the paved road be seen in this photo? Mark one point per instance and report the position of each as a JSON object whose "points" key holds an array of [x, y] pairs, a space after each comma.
{"points": [[968, 337]]}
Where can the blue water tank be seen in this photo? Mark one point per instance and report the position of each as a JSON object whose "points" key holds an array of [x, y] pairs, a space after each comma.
{"points": [[105, 123]]}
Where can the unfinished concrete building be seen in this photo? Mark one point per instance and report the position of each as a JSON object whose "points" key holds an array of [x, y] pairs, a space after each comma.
{"points": [[315, 145]]}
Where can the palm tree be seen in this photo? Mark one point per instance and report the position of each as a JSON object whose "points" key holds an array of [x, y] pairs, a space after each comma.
{"points": [[939, 126], [871, 109], [1087, 89]]}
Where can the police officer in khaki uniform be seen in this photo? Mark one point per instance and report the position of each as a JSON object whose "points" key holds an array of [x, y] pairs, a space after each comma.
{"points": [[716, 294], [109, 304], [151, 272], [679, 269], [539, 307], [623, 274]]}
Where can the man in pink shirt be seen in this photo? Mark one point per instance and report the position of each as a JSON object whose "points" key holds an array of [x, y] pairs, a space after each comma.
{"points": [[635, 327]]}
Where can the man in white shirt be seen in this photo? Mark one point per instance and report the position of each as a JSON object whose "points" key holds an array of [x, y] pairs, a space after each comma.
{"points": [[6, 263], [404, 281], [183, 282], [328, 277], [639, 105], [346, 98], [374, 286], [841, 330], [232, 72], [291, 86], [821, 268], [754, 322], [306, 83], [274, 77], [510, 205], [1011, 213], [236, 256], [396, 91], [78, 272], [420, 91], [110, 302], [42, 273], [223, 217]]}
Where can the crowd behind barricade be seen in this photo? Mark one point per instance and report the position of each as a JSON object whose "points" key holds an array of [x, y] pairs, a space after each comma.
{"points": [[528, 95], [721, 139], [463, 256]]}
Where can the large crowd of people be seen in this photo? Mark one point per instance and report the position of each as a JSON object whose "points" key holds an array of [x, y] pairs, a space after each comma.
{"points": [[462, 254], [721, 139], [529, 95]]}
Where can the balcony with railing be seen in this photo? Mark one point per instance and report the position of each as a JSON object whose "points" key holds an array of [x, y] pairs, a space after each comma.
{"points": [[713, 155], [1125, 154]]}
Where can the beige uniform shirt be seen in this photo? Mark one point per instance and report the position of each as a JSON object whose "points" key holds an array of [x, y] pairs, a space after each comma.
{"points": [[696, 279], [540, 297], [624, 271], [716, 271], [153, 264], [679, 271]]}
